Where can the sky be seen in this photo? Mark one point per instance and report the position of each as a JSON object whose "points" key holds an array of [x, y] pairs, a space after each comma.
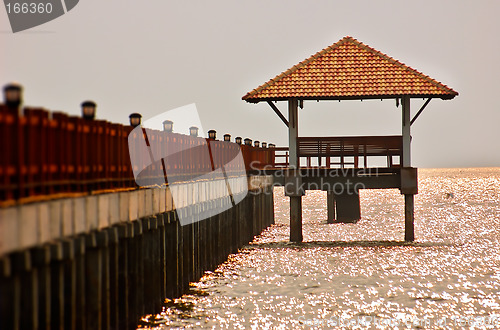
{"points": [[151, 56]]}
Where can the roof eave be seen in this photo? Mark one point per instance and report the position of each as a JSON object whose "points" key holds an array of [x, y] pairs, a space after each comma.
{"points": [[354, 97]]}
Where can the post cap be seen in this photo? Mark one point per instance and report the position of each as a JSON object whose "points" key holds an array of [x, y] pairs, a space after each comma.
{"points": [[89, 104], [135, 115]]}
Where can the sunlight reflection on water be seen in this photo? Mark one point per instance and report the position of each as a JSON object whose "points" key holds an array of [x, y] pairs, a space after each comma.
{"points": [[449, 277]]}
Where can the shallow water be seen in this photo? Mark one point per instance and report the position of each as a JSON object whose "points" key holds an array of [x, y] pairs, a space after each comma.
{"points": [[362, 275]]}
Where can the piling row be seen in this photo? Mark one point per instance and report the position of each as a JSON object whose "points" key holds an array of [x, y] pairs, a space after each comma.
{"points": [[110, 278]]}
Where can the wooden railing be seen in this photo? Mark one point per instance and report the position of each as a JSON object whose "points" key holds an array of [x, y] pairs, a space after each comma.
{"points": [[344, 151], [281, 156], [43, 153]]}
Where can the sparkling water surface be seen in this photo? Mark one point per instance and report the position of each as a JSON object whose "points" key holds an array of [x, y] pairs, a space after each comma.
{"points": [[363, 275]]}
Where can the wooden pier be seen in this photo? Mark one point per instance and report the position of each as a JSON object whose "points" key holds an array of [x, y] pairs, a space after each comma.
{"points": [[346, 70], [82, 246]]}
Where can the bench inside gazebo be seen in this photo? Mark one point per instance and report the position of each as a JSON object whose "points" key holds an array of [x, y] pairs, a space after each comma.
{"points": [[346, 70]]}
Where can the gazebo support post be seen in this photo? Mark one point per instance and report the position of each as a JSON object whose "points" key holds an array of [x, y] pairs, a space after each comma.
{"points": [[409, 200], [294, 189], [330, 206], [348, 207]]}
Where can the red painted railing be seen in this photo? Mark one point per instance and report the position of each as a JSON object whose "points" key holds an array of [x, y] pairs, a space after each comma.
{"points": [[43, 153]]}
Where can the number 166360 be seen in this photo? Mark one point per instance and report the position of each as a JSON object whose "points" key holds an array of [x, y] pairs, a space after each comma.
{"points": [[29, 8]]}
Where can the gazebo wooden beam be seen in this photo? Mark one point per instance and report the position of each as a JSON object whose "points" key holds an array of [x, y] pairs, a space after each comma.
{"points": [[420, 111], [278, 112]]}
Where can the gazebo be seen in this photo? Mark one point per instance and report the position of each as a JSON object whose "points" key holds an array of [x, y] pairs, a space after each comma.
{"points": [[347, 70]]}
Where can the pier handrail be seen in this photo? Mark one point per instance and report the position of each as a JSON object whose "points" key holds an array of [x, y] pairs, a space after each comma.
{"points": [[51, 153]]}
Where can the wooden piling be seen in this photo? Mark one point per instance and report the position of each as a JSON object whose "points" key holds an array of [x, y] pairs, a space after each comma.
{"points": [[7, 298], [296, 219], [80, 256], [162, 257], [148, 265], [69, 269], [27, 292], [114, 278], [41, 260], [409, 218], [330, 206], [133, 272], [103, 246], [57, 286], [93, 285], [124, 240], [172, 256]]}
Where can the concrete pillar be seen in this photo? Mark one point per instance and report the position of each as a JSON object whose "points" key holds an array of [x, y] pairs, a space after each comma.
{"points": [[348, 207], [409, 216], [330, 206]]}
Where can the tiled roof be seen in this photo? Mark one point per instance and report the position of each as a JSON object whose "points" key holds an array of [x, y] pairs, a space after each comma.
{"points": [[349, 69]]}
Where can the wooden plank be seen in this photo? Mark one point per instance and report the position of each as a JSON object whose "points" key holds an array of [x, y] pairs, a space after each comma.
{"points": [[278, 112]]}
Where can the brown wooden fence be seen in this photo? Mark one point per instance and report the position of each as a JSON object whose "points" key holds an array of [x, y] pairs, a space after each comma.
{"points": [[43, 153]]}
